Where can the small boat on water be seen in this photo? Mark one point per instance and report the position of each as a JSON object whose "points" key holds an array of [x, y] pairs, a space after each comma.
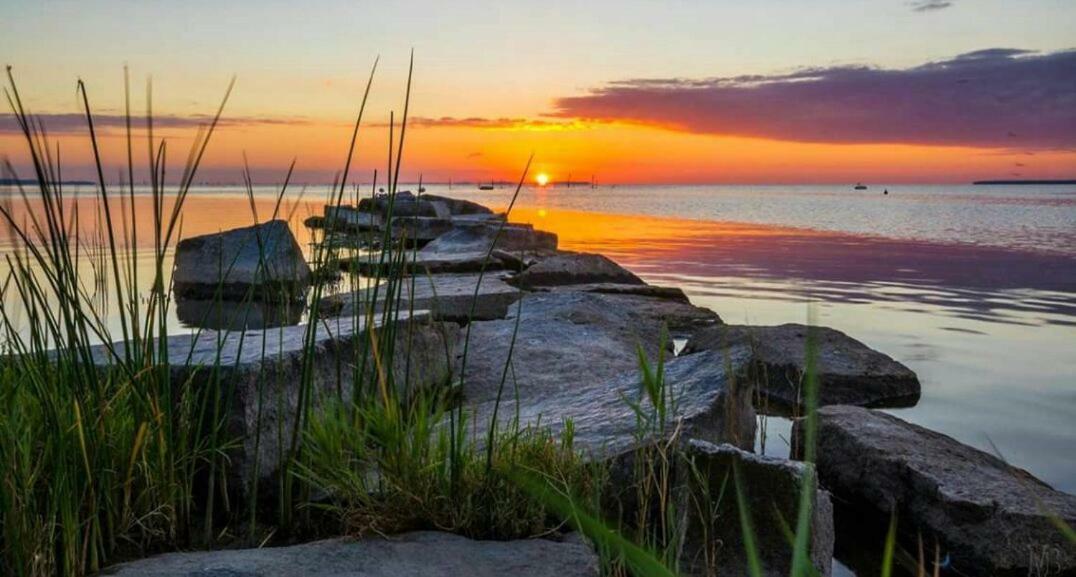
{"points": [[860, 186], [486, 186]]}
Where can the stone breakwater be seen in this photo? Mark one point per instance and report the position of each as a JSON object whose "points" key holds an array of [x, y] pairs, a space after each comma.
{"points": [[483, 294]]}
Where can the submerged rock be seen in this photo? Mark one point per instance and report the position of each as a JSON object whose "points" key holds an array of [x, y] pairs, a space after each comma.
{"points": [[259, 375], [575, 269], [448, 297], [425, 553], [991, 518], [263, 261], [254, 314], [713, 538], [849, 372]]}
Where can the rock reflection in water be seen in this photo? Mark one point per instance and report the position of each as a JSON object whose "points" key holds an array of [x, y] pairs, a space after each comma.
{"points": [[230, 315]]}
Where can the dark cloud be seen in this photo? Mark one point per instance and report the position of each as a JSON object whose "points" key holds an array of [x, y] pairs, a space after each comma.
{"points": [[67, 123], [998, 97], [929, 5]]}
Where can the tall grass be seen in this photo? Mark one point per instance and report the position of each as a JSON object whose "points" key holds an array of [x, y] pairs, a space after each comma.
{"points": [[100, 449]]}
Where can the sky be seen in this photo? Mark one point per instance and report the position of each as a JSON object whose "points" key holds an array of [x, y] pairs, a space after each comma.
{"points": [[769, 91]]}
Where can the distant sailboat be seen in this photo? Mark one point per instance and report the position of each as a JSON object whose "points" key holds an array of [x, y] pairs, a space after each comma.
{"points": [[486, 186], [860, 186]]}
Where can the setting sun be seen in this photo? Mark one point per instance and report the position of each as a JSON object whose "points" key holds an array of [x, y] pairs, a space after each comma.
{"points": [[542, 179]]}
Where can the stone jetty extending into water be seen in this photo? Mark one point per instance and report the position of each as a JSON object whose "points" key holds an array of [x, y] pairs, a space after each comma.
{"points": [[480, 293]]}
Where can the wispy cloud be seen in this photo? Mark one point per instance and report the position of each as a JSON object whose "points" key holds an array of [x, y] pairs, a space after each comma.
{"points": [[990, 98], [67, 123], [493, 123], [929, 5]]}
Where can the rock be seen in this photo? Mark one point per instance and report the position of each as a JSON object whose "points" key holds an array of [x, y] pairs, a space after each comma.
{"points": [[478, 236], [465, 248], [990, 517], [264, 258], [713, 402], [420, 229], [575, 269], [346, 219], [406, 204], [565, 339], [849, 371], [459, 207], [448, 297], [643, 290], [259, 373], [425, 553], [713, 539]]}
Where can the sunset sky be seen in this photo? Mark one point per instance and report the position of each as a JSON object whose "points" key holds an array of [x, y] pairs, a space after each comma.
{"points": [[678, 91]]}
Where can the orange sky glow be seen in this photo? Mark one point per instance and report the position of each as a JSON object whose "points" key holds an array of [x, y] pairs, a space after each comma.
{"points": [[608, 152]]}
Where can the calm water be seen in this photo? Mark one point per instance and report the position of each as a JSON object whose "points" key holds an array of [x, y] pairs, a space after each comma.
{"points": [[972, 287]]}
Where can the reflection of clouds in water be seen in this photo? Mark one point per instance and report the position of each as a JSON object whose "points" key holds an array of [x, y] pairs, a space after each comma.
{"points": [[963, 281]]}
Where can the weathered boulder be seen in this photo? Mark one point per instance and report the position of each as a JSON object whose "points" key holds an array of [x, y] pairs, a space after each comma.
{"points": [[478, 236], [448, 297], [459, 207], [406, 204], [990, 517], [258, 374], [713, 538], [572, 268], [712, 401], [425, 553], [565, 339], [349, 220], [849, 372], [420, 229], [465, 248], [264, 259]]}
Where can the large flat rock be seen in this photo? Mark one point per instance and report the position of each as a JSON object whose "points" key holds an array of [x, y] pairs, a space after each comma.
{"points": [[448, 297], [643, 290], [713, 538], [425, 554], [574, 268], [849, 372], [710, 398], [568, 338], [259, 374], [263, 260], [991, 518]]}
